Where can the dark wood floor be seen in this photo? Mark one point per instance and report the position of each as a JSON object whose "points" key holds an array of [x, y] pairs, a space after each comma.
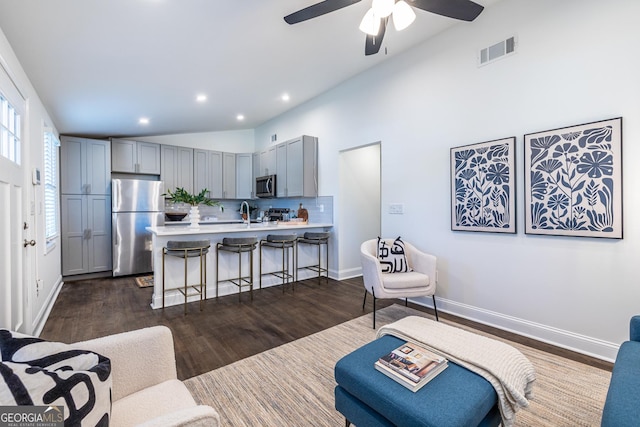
{"points": [[226, 331]]}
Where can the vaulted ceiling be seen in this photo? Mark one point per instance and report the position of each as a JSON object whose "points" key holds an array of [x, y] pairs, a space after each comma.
{"points": [[99, 66]]}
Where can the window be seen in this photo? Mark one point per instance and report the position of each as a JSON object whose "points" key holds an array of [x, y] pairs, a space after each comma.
{"points": [[51, 144], [9, 131]]}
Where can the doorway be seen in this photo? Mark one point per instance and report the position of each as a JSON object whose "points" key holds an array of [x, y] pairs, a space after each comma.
{"points": [[359, 201]]}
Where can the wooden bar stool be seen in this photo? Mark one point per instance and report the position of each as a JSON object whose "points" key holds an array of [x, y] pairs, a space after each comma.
{"points": [[283, 242], [318, 239], [186, 250], [237, 245]]}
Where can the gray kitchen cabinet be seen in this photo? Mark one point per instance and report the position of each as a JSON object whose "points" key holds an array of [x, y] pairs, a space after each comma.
{"points": [[281, 170], [268, 161], [207, 172], [85, 166], [244, 176], [228, 176], [85, 209], [176, 167], [297, 167], [128, 156], [255, 166], [85, 233]]}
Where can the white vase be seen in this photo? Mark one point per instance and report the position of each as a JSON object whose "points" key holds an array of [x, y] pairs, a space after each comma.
{"points": [[194, 217]]}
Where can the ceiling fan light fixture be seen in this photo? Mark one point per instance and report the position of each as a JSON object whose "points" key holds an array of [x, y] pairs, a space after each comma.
{"points": [[383, 8], [403, 15], [370, 23]]}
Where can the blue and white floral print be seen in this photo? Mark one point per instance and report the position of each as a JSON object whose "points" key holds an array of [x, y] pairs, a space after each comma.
{"points": [[483, 187], [573, 180]]}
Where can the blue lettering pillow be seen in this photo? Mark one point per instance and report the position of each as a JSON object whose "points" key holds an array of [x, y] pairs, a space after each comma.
{"points": [[392, 257]]}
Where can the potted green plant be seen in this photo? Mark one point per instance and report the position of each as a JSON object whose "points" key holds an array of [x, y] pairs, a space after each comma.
{"points": [[180, 195]]}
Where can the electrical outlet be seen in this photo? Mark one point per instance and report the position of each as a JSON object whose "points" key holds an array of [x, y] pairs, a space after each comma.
{"points": [[321, 207], [396, 208]]}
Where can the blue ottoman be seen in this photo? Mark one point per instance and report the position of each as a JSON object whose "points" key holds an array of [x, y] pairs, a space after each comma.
{"points": [[457, 397]]}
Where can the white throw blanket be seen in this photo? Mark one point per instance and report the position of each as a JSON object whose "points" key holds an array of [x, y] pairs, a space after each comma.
{"points": [[509, 371]]}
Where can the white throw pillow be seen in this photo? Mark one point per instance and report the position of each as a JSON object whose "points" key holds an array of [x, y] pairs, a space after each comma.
{"points": [[392, 257], [37, 372]]}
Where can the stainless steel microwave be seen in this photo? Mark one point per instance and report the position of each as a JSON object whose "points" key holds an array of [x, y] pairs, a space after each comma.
{"points": [[266, 186]]}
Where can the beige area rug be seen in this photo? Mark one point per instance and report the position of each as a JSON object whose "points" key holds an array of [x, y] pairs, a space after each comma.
{"points": [[293, 384], [144, 281]]}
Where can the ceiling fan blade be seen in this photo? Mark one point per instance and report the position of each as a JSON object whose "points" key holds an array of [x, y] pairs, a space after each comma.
{"points": [[372, 43], [317, 9], [465, 10]]}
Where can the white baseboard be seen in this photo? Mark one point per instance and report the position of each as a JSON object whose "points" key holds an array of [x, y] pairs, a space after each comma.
{"points": [[43, 315], [349, 273], [560, 338]]}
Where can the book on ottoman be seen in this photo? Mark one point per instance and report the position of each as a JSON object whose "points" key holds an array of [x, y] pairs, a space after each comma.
{"points": [[411, 365]]}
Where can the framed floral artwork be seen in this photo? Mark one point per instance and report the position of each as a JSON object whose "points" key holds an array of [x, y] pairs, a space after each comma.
{"points": [[483, 187], [573, 180]]}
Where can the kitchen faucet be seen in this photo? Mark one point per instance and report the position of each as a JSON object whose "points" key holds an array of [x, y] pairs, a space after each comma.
{"points": [[248, 213]]}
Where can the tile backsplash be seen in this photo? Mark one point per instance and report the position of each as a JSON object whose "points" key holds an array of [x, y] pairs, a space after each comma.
{"points": [[320, 208]]}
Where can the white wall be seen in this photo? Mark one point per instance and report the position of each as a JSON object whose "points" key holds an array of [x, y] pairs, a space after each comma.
{"points": [[576, 62], [46, 266]]}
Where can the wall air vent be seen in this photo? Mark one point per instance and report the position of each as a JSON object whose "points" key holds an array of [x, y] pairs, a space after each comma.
{"points": [[496, 51]]}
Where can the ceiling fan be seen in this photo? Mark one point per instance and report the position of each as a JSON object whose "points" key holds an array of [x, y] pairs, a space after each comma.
{"points": [[376, 19]]}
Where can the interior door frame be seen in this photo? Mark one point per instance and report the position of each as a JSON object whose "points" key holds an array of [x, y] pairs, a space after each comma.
{"points": [[360, 203]]}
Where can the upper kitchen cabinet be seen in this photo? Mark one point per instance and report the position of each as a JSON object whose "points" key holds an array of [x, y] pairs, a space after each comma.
{"points": [[85, 166], [129, 156], [176, 167], [297, 167], [228, 176], [267, 164], [244, 176], [207, 172]]}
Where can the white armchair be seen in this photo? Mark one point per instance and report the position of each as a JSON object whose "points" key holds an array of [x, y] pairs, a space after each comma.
{"points": [[420, 281], [146, 391]]}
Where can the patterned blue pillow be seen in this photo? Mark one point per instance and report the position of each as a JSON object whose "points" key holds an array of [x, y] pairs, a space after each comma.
{"points": [[392, 257], [37, 372]]}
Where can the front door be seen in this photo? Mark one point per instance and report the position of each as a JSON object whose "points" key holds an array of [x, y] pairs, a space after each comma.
{"points": [[13, 275]]}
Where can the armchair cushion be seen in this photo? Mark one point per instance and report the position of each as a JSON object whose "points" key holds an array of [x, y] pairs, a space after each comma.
{"points": [[392, 256], [37, 372], [407, 280]]}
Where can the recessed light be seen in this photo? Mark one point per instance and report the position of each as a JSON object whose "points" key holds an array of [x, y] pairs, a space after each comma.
{"points": [[201, 98], [143, 121], [285, 97], [240, 117]]}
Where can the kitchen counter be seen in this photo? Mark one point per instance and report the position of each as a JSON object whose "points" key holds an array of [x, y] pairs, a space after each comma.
{"points": [[174, 267]]}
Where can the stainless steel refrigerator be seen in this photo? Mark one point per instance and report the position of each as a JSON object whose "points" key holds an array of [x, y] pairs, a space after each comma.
{"points": [[136, 204]]}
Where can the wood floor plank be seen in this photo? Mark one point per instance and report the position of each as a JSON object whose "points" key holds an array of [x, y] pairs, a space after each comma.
{"points": [[225, 330]]}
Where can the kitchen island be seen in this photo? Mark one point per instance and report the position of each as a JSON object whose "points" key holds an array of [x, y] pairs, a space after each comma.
{"points": [[271, 260]]}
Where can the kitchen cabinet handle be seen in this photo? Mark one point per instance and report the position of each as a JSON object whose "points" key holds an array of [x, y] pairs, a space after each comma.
{"points": [[88, 188]]}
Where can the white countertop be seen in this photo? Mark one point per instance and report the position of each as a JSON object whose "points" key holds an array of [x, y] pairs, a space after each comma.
{"points": [[172, 230]]}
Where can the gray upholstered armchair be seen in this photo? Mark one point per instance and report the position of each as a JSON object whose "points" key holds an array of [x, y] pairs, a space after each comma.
{"points": [[420, 281]]}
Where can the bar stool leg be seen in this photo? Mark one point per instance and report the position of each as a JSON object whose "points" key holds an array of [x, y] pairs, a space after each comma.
{"points": [[163, 279], [327, 249], [251, 273], [319, 265], [240, 276], [283, 270], [185, 283], [260, 267]]}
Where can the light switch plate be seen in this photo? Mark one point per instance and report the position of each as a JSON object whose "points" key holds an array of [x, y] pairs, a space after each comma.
{"points": [[396, 208]]}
